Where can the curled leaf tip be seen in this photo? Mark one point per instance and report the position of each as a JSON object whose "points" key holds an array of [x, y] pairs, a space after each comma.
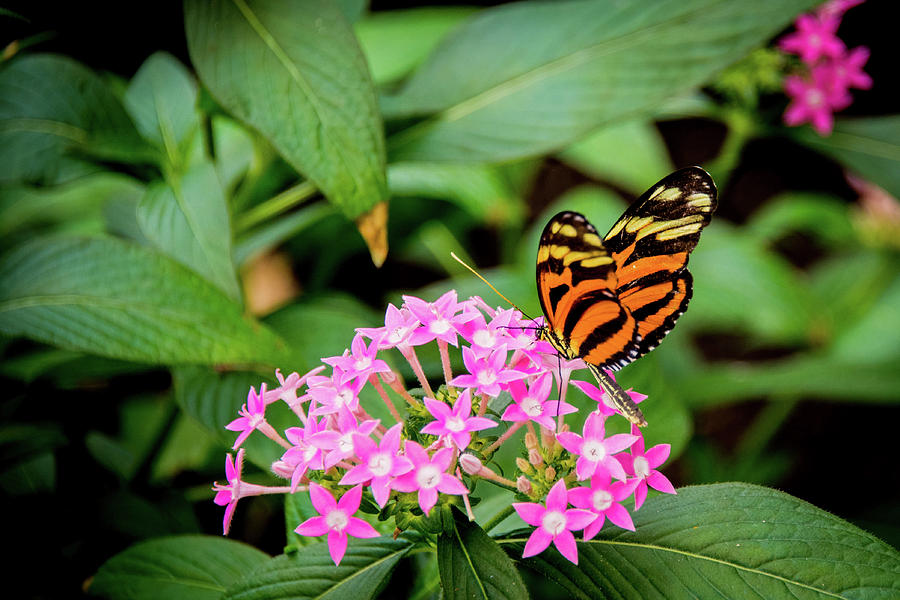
{"points": [[372, 227]]}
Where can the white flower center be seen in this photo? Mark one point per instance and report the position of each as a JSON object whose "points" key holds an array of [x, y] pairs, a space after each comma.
{"points": [[815, 98], [337, 520], [440, 326], [345, 443], [532, 407], [484, 338], [363, 363], [455, 424], [641, 467], [344, 397], [380, 464], [487, 377], [397, 334], [601, 500], [428, 477], [553, 522], [593, 451]]}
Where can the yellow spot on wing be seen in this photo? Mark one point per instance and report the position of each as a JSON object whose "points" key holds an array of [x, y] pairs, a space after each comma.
{"points": [[574, 256], [559, 251], [699, 200], [555, 227], [592, 239], [637, 224], [670, 234], [543, 254], [598, 261], [656, 192], [661, 226], [669, 194], [568, 231], [616, 228]]}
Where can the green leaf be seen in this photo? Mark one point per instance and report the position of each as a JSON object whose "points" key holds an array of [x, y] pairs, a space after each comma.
{"points": [[630, 154], [22, 206], [176, 567], [876, 334], [272, 233], [869, 146], [162, 100], [233, 150], [727, 540], [187, 219], [531, 77], [108, 297], [827, 218], [51, 106], [397, 41], [472, 565], [295, 72], [311, 573]]}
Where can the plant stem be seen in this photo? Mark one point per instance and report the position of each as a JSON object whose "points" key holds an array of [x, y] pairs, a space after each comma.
{"points": [[275, 205], [498, 518]]}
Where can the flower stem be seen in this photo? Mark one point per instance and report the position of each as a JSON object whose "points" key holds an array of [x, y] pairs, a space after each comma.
{"points": [[384, 396], [498, 518], [273, 435], [396, 384], [409, 353], [506, 435], [445, 361]]}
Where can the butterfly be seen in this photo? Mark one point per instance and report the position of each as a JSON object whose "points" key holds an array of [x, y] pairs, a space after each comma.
{"points": [[611, 300]]}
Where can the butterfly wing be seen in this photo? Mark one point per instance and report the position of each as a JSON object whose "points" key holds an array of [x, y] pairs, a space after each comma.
{"points": [[576, 280], [650, 245]]}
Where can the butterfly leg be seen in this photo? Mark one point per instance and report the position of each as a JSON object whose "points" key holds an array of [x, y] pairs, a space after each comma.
{"points": [[619, 397]]}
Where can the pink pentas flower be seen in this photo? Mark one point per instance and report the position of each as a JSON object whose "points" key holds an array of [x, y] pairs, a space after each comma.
{"points": [[814, 39], [486, 374], [253, 414], [287, 387], [380, 463], [594, 449], [809, 103], [554, 523], [455, 423], [228, 495], [304, 454], [502, 331], [360, 361], [531, 403], [333, 393], [399, 325], [428, 476], [336, 519], [642, 465], [846, 70], [604, 499], [338, 441], [604, 404], [439, 320]]}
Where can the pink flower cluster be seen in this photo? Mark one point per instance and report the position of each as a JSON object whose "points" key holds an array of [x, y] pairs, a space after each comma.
{"points": [[436, 451], [831, 69]]}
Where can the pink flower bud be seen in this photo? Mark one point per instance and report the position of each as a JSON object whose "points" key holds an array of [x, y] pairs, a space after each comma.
{"points": [[534, 457], [523, 465], [550, 473], [523, 484], [470, 464], [530, 441]]}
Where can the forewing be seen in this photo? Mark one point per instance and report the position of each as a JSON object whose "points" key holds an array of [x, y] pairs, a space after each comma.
{"points": [[650, 245], [576, 280]]}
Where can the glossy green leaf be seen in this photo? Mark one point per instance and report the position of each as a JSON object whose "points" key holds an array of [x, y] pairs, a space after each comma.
{"points": [[311, 573], [51, 106], [294, 72], [108, 297], [527, 78], [630, 154], [233, 150], [397, 41], [187, 219], [176, 567], [161, 99], [727, 540], [23, 206], [472, 565], [868, 146], [876, 335]]}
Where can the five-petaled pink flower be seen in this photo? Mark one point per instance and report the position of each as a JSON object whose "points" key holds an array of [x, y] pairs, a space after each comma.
{"points": [[554, 523], [604, 499], [486, 373], [253, 414], [815, 38], [439, 319], [428, 476], [455, 423], [531, 403], [360, 361], [228, 495], [809, 102], [380, 463], [336, 519], [642, 465], [594, 450]]}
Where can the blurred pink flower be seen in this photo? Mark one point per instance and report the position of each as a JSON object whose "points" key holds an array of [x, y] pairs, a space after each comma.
{"points": [[814, 39]]}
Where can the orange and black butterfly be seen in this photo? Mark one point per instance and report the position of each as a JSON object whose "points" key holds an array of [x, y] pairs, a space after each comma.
{"points": [[609, 301]]}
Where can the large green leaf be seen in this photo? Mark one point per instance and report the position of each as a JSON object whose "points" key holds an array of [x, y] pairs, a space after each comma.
{"points": [[295, 72], [472, 565], [527, 78], [176, 567], [396, 41], [162, 100], [51, 106], [310, 573], [869, 146], [726, 541], [187, 219], [108, 297]]}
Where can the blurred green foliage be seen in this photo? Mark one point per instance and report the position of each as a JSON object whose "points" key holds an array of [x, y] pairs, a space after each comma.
{"points": [[134, 215]]}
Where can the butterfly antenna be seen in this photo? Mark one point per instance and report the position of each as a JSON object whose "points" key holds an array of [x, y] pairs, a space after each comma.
{"points": [[488, 283]]}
